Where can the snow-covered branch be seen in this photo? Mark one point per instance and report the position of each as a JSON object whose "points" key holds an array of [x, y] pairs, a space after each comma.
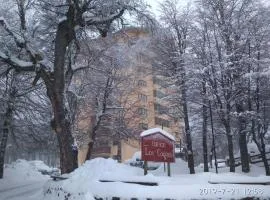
{"points": [[21, 42], [17, 63], [90, 20], [18, 39]]}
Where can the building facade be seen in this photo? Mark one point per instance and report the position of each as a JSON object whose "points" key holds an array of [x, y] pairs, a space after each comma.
{"points": [[146, 105]]}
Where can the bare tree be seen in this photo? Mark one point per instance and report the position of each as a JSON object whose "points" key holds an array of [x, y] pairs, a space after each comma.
{"points": [[257, 91], [102, 93], [171, 51], [22, 110], [69, 16]]}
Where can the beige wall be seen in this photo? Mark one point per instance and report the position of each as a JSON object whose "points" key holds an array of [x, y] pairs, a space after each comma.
{"points": [[129, 147], [144, 60]]}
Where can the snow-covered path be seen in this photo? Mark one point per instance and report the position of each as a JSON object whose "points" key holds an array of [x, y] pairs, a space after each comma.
{"points": [[27, 191], [23, 181]]}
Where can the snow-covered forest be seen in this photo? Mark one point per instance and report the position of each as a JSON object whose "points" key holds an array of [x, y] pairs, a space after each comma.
{"points": [[61, 66]]}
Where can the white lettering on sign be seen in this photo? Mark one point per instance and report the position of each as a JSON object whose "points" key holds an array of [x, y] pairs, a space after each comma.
{"points": [[158, 153], [158, 144], [149, 153], [165, 155]]}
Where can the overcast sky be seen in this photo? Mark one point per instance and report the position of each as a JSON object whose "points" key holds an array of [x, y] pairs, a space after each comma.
{"points": [[155, 4]]}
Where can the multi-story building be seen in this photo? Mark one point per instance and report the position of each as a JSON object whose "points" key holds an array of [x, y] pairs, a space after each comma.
{"points": [[146, 105]]}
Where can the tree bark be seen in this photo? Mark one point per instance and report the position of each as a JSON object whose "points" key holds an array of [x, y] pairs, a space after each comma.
{"points": [[242, 139], [204, 129], [55, 85], [264, 158], [5, 133], [244, 152], [230, 148], [6, 128], [213, 149], [3, 144], [187, 128]]}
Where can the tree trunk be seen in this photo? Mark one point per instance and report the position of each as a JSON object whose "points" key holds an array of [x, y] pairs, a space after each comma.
{"points": [[65, 141], [204, 129], [55, 85], [3, 144], [5, 133], [242, 139], [6, 128], [264, 158], [213, 149], [231, 155], [230, 148], [244, 152], [262, 139], [187, 128], [261, 148], [62, 127], [90, 150], [261, 145], [265, 162]]}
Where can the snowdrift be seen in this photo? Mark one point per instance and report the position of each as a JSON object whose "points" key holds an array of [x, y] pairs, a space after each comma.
{"points": [[84, 184]]}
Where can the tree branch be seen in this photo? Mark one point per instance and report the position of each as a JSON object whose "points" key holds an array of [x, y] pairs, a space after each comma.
{"points": [[18, 40], [17, 64], [103, 20]]}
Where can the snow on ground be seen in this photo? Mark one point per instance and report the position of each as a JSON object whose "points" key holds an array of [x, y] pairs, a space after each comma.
{"points": [[20, 171], [22, 181], [84, 184]]}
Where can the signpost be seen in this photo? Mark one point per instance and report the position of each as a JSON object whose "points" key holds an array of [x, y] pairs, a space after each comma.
{"points": [[157, 146]]}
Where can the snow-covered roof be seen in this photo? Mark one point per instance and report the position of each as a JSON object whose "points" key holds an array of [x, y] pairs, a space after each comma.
{"points": [[157, 130]]}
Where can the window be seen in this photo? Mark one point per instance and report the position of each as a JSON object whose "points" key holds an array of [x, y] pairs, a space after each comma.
{"points": [[132, 41], [162, 122], [142, 70], [141, 83], [142, 97], [142, 112], [160, 109], [174, 110], [159, 82], [139, 57], [159, 94], [143, 126]]}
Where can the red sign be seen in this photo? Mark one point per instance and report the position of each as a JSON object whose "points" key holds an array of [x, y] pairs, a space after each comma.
{"points": [[157, 147]]}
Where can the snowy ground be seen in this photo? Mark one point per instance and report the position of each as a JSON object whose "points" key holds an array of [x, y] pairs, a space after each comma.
{"points": [[25, 183]]}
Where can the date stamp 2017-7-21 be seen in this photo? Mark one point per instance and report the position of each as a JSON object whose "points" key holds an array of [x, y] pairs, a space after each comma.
{"points": [[231, 191]]}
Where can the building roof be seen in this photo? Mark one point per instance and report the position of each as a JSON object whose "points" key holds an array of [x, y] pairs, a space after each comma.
{"points": [[157, 130]]}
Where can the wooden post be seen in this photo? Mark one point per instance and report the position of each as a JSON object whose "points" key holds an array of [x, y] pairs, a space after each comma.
{"points": [[169, 169], [164, 166], [145, 167]]}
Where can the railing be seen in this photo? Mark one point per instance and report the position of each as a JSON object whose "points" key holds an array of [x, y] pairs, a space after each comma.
{"points": [[253, 159], [258, 158]]}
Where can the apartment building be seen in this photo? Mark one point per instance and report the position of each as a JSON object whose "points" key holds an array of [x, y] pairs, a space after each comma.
{"points": [[146, 105]]}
